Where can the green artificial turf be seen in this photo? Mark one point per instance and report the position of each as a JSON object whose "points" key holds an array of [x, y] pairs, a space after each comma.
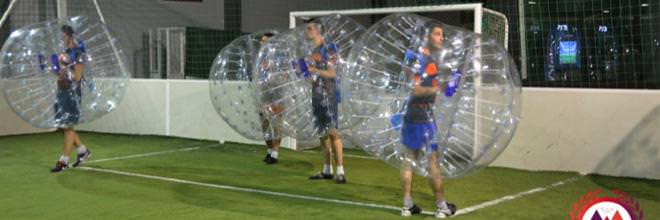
{"points": [[29, 191]]}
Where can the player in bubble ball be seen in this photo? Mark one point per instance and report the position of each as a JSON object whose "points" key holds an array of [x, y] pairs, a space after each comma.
{"points": [[272, 137], [325, 102], [69, 70], [419, 129]]}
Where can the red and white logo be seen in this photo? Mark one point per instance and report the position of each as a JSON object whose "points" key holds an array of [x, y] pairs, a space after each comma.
{"points": [[594, 207]]}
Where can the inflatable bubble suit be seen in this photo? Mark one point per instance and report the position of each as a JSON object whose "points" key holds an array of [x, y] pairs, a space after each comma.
{"points": [[429, 95], [232, 89], [39, 77], [293, 75]]}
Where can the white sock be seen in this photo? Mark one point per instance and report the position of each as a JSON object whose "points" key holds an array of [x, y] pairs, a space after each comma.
{"points": [[273, 154], [408, 202], [64, 159], [442, 204], [340, 170], [270, 151], [327, 168], [81, 149]]}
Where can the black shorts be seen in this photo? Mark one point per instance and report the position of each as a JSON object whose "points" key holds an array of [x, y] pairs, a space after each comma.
{"points": [[67, 107], [326, 115]]}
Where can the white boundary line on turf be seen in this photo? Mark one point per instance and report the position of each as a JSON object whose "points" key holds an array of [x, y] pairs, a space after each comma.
{"points": [[514, 196], [149, 154], [346, 155], [321, 199], [241, 189], [314, 198]]}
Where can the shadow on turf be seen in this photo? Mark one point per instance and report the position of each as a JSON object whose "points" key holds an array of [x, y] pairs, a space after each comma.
{"points": [[641, 145], [637, 188]]}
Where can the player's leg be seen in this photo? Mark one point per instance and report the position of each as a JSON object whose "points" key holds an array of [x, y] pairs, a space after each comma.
{"points": [[76, 140], [275, 146], [326, 173], [275, 143], [265, 127], [444, 208], [270, 153], [435, 178], [69, 139], [406, 175], [326, 146], [276, 140], [335, 139], [63, 162], [272, 157], [321, 125], [82, 152]]}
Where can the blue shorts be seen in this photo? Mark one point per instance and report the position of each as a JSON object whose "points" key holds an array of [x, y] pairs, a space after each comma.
{"points": [[67, 107], [417, 135]]}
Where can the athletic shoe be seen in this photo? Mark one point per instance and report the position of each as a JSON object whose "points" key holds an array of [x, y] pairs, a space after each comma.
{"points": [[59, 166], [266, 158], [448, 210], [414, 210], [270, 160], [341, 179], [82, 157], [321, 176]]}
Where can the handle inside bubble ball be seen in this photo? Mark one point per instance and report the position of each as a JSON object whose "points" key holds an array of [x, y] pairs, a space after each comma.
{"points": [[55, 63], [81, 46], [324, 51], [80, 49], [42, 64], [411, 56], [453, 83], [397, 121], [303, 68], [302, 64]]}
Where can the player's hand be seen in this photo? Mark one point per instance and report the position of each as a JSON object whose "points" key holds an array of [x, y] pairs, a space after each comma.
{"points": [[64, 58], [425, 51], [312, 69]]}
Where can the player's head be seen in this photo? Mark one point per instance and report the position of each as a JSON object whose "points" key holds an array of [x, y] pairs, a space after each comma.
{"points": [[436, 35], [265, 37], [313, 28], [68, 35]]}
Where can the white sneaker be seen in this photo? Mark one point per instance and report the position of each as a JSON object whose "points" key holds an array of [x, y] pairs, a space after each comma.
{"points": [[441, 214], [446, 211], [405, 212]]}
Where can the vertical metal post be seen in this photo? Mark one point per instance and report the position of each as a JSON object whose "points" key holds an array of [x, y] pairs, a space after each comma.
{"points": [[168, 52], [478, 19], [62, 10], [523, 39]]}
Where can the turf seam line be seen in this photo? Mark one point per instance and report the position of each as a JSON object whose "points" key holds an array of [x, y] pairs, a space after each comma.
{"points": [[149, 154], [514, 196], [241, 189]]}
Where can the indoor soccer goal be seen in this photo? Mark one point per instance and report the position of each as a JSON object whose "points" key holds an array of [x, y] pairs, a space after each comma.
{"points": [[473, 16]]}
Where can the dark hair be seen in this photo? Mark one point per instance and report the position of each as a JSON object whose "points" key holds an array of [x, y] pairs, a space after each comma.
{"points": [[433, 25], [68, 30], [315, 21], [268, 34]]}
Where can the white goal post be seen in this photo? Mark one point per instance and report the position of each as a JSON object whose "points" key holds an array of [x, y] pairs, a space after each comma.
{"points": [[482, 16], [486, 21]]}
